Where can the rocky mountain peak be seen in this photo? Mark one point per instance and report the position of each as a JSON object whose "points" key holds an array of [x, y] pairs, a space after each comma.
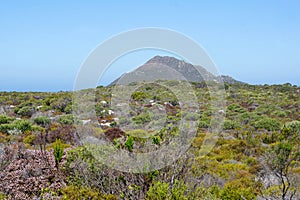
{"points": [[155, 68]]}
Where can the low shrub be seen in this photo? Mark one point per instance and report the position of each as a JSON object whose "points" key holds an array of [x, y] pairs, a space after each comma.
{"points": [[42, 120], [29, 139], [23, 125], [267, 124], [20, 125], [67, 119], [294, 126], [76, 192], [26, 111], [129, 143], [5, 119], [203, 124], [230, 125]]}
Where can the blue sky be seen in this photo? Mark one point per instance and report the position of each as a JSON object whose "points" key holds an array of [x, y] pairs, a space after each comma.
{"points": [[43, 43]]}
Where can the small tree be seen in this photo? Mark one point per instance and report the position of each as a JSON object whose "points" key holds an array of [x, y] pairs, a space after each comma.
{"points": [[280, 158], [58, 152]]}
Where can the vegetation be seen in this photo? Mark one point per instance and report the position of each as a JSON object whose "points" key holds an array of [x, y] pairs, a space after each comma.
{"points": [[58, 152], [257, 156]]}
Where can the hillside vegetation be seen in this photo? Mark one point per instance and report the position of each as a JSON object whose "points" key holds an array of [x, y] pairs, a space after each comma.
{"points": [[257, 155]]}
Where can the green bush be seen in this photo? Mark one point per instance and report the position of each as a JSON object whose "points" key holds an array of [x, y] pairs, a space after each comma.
{"points": [[129, 143], [4, 128], [294, 126], [139, 95], [230, 125], [26, 111], [5, 119], [66, 119], [58, 152], [281, 158], [21, 105], [235, 108], [267, 124], [42, 120], [23, 125]]}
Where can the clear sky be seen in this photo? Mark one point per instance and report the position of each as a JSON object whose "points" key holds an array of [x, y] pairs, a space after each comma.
{"points": [[43, 43]]}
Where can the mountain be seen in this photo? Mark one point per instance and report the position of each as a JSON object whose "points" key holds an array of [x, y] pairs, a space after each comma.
{"points": [[170, 68]]}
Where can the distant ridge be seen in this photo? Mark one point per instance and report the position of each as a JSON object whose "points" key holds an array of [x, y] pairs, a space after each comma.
{"points": [[168, 68]]}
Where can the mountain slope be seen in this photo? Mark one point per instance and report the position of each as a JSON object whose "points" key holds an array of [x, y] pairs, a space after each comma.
{"points": [[170, 68]]}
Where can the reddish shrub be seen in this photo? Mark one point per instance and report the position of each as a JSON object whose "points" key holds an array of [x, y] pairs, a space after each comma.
{"points": [[28, 173], [113, 133]]}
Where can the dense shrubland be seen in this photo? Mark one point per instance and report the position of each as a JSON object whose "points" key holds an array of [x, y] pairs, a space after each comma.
{"points": [[257, 156]]}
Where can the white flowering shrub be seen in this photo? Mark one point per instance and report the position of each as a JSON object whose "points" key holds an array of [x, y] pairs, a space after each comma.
{"points": [[15, 132]]}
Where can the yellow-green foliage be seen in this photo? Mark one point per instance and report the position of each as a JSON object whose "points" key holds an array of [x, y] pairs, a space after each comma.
{"points": [[58, 152], [158, 191], [239, 189], [162, 191], [2, 196], [62, 144], [75, 192], [138, 133], [29, 139], [273, 191], [139, 95]]}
